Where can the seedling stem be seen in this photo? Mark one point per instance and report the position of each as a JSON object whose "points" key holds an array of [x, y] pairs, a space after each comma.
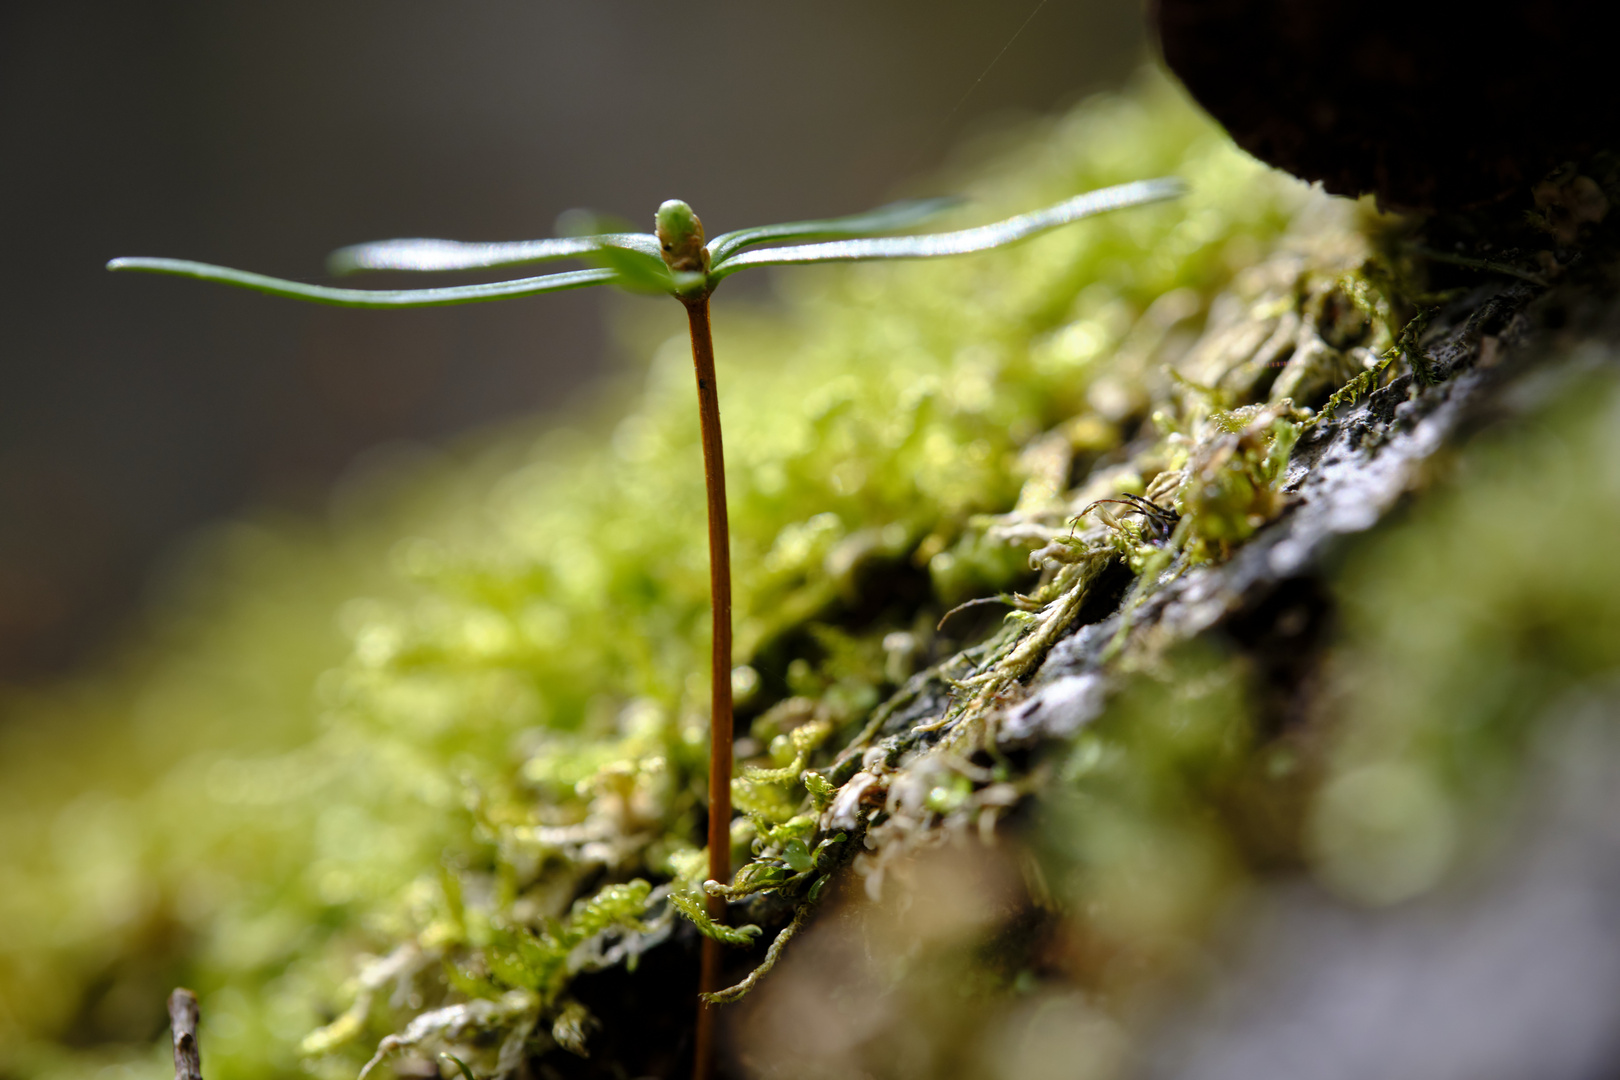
{"points": [[720, 723]]}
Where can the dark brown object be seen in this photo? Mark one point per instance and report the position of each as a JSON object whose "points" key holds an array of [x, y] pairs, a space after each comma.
{"points": [[1427, 105], [183, 1016]]}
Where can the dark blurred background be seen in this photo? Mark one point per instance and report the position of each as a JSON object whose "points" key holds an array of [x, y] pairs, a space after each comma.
{"points": [[262, 135]]}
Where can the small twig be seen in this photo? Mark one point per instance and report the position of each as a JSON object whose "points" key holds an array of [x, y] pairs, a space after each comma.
{"points": [[1158, 519], [1486, 265], [183, 1015], [972, 603]]}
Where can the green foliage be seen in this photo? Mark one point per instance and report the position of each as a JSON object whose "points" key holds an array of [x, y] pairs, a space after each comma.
{"points": [[1232, 479], [673, 260], [1405, 347], [726, 935], [505, 751]]}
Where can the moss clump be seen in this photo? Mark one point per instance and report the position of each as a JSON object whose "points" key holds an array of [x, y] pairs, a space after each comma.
{"points": [[497, 790], [1380, 756]]}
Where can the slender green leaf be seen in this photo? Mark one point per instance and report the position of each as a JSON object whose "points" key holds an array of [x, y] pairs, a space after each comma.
{"points": [[727, 935], [457, 255], [964, 241], [890, 218], [371, 298]]}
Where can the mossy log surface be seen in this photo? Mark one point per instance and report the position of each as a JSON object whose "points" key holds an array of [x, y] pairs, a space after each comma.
{"points": [[1268, 490]]}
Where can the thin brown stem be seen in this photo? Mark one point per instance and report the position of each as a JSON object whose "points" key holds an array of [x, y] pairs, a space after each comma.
{"points": [[183, 1016], [720, 724]]}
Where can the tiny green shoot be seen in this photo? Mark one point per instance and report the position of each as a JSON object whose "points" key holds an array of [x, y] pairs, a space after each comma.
{"points": [[679, 260]]}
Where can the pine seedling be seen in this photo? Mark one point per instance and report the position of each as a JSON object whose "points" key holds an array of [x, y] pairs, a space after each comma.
{"points": [[679, 260]]}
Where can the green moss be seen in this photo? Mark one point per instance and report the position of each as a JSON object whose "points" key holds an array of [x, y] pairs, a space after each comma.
{"points": [[488, 781]]}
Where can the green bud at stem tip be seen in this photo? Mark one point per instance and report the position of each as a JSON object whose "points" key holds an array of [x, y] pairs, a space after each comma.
{"points": [[680, 238]]}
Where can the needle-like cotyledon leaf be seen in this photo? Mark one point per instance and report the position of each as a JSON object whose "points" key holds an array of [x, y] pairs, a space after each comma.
{"points": [[961, 242], [675, 259], [369, 298], [894, 217], [458, 255]]}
